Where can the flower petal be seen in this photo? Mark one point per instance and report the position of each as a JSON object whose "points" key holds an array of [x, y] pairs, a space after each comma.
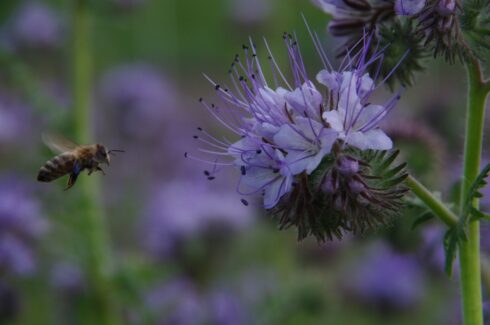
{"points": [[305, 99], [329, 79], [373, 139], [258, 177], [367, 114], [275, 191], [334, 119], [367, 84]]}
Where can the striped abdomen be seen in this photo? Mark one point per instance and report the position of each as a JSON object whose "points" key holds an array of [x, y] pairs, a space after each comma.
{"points": [[56, 167]]}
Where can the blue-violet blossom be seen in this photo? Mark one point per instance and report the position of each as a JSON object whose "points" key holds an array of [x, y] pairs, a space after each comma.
{"points": [[289, 127]]}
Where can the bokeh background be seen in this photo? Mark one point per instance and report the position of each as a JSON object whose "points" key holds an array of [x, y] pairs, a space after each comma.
{"points": [[183, 249]]}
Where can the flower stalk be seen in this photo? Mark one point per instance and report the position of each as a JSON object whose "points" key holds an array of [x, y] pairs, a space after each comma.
{"points": [[98, 262], [441, 210], [469, 251]]}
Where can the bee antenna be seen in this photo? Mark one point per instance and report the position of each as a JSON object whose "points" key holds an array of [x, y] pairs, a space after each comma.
{"points": [[112, 151]]}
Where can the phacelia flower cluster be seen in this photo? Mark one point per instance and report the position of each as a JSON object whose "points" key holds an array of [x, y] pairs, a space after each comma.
{"points": [[422, 27], [313, 150]]}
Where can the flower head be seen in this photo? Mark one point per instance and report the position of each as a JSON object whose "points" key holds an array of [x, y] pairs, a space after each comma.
{"points": [[171, 220], [435, 23], [20, 225], [387, 280], [297, 135], [138, 95], [34, 26]]}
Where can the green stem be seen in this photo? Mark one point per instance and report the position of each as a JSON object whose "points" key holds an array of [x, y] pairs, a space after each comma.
{"points": [[469, 251], [94, 228], [441, 210]]}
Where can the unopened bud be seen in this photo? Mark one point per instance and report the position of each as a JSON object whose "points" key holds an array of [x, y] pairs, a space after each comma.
{"points": [[329, 185], [347, 167], [355, 186], [446, 7]]}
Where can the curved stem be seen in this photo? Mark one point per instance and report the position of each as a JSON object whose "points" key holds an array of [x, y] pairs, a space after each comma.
{"points": [[94, 228], [439, 209], [469, 251]]}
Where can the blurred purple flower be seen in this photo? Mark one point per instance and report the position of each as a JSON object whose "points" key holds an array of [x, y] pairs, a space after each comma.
{"points": [[20, 224], [485, 238], [141, 99], [226, 309], [182, 209], [34, 26], [67, 278], [250, 11], [387, 280], [455, 179], [486, 312], [485, 200], [14, 119], [176, 302], [179, 302], [431, 251]]}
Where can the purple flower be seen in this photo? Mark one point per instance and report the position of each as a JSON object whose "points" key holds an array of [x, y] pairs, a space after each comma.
{"points": [[333, 7], [138, 95], [68, 278], [181, 210], [226, 309], [306, 143], [176, 302], [288, 129], [20, 225], [35, 26], [432, 249], [14, 119], [387, 280], [446, 7], [409, 7], [356, 121], [486, 312]]}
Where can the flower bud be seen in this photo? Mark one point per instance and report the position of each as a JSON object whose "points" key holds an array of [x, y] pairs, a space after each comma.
{"points": [[408, 7], [446, 7], [329, 184], [356, 186], [347, 167]]}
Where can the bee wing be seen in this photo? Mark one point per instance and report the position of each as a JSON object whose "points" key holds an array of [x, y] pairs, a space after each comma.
{"points": [[58, 144]]}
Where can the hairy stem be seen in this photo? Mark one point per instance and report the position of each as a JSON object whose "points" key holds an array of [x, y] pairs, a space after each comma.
{"points": [[469, 251], [94, 229], [439, 209]]}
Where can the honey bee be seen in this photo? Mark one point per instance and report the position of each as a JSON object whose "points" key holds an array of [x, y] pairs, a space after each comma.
{"points": [[72, 159]]}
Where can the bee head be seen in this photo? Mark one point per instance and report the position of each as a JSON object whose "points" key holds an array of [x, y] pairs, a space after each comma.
{"points": [[102, 155]]}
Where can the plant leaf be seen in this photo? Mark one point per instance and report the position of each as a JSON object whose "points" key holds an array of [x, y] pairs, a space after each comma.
{"points": [[450, 248], [423, 218], [478, 215], [473, 193]]}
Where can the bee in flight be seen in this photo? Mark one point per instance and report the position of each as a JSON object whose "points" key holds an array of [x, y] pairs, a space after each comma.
{"points": [[72, 159]]}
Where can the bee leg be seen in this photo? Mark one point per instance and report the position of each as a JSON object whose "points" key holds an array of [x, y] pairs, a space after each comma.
{"points": [[73, 176], [71, 181], [100, 170]]}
